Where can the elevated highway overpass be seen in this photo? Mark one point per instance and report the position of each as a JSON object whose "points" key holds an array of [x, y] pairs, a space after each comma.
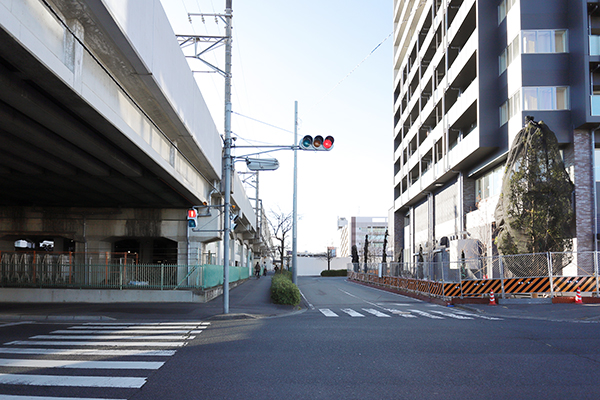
{"points": [[105, 138]]}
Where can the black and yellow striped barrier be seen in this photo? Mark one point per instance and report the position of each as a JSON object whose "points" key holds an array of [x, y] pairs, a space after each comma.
{"points": [[483, 287]]}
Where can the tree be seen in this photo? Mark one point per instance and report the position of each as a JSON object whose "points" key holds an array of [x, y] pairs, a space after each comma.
{"points": [[366, 252], [384, 255], [330, 254], [281, 224], [355, 260], [534, 213]]}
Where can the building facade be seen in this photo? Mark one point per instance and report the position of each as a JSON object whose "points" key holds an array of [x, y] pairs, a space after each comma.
{"points": [[355, 231], [466, 74]]}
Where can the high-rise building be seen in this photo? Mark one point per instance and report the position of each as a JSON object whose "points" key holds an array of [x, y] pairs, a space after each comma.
{"points": [[466, 74], [356, 231]]}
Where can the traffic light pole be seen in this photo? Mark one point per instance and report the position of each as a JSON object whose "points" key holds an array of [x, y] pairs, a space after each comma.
{"points": [[227, 158]]}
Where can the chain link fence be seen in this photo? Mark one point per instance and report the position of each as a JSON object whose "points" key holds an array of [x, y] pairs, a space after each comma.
{"points": [[546, 273], [106, 271]]}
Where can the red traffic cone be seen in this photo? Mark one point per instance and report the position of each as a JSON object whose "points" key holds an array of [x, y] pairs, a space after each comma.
{"points": [[492, 299], [578, 297]]}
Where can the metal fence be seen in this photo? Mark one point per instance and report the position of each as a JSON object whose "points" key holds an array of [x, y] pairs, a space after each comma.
{"points": [[545, 273], [107, 271]]}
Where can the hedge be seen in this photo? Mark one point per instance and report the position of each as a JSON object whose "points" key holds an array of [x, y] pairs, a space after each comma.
{"points": [[283, 290], [335, 272]]}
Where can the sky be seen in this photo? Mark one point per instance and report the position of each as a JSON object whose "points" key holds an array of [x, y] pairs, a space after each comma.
{"points": [[334, 57]]}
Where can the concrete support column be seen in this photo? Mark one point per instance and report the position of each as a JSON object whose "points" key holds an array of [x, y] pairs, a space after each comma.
{"points": [[399, 243], [584, 185]]}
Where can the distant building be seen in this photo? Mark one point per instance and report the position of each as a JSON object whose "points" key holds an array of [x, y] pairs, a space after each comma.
{"points": [[355, 231], [344, 244]]}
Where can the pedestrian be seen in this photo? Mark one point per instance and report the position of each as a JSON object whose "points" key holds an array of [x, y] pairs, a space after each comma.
{"points": [[265, 270], [257, 270]]}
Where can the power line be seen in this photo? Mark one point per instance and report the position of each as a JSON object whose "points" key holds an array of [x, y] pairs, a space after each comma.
{"points": [[262, 122], [350, 73]]}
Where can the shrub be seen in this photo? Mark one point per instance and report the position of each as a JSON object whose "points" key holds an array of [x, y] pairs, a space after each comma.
{"points": [[335, 272], [283, 290]]}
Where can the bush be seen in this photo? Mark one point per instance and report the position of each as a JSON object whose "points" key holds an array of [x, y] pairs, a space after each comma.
{"points": [[335, 272], [283, 290]]}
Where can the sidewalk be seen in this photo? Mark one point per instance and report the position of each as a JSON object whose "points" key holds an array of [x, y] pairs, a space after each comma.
{"points": [[248, 300]]}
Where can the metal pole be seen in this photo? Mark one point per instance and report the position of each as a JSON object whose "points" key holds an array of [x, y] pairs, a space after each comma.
{"points": [[550, 277], [295, 206], [227, 158]]}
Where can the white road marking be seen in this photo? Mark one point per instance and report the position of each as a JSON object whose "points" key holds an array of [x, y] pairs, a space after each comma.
{"points": [[140, 324], [89, 343], [447, 314], [426, 314], [327, 312], [86, 352], [404, 314], [112, 337], [33, 363], [352, 313], [137, 328], [77, 381], [121, 331], [478, 316], [376, 313]]}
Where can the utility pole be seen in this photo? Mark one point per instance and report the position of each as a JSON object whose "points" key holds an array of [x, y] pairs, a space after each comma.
{"points": [[227, 157], [295, 201], [216, 41]]}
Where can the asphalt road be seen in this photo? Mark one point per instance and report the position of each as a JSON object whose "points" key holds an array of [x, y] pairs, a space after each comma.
{"points": [[351, 342]]}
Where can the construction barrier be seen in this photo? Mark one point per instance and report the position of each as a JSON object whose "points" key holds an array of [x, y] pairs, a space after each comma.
{"points": [[478, 278]]}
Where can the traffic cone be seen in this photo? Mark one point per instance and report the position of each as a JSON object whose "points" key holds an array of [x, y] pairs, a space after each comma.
{"points": [[578, 297], [492, 299]]}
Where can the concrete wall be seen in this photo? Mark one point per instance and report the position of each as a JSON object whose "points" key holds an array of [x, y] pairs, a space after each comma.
{"points": [[311, 266]]}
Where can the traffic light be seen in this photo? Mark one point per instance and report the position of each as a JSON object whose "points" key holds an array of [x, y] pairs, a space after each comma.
{"points": [[306, 142], [318, 143], [192, 217], [328, 143]]}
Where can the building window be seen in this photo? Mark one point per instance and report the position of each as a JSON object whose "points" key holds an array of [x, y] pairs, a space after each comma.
{"points": [[546, 98], [544, 41], [510, 108], [509, 54], [489, 184], [504, 8]]}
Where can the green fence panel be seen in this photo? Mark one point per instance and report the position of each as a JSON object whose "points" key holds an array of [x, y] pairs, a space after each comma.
{"points": [[234, 274], [213, 276], [245, 273]]}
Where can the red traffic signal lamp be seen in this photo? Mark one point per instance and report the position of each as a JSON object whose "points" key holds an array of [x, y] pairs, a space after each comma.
{"points": [[316, 143], [192, 217]]}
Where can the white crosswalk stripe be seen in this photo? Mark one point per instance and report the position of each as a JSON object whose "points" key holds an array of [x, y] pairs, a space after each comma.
{"points": [[352, 313], [426, 314], [478, 316], [404, 314], [34, 363], [408, 313], [450, 315], [328, 313], [92, 347], [376, 313]]}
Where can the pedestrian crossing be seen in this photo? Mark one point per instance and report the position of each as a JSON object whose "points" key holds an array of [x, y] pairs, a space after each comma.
{"points": [[115, 356], [386, 312]]}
